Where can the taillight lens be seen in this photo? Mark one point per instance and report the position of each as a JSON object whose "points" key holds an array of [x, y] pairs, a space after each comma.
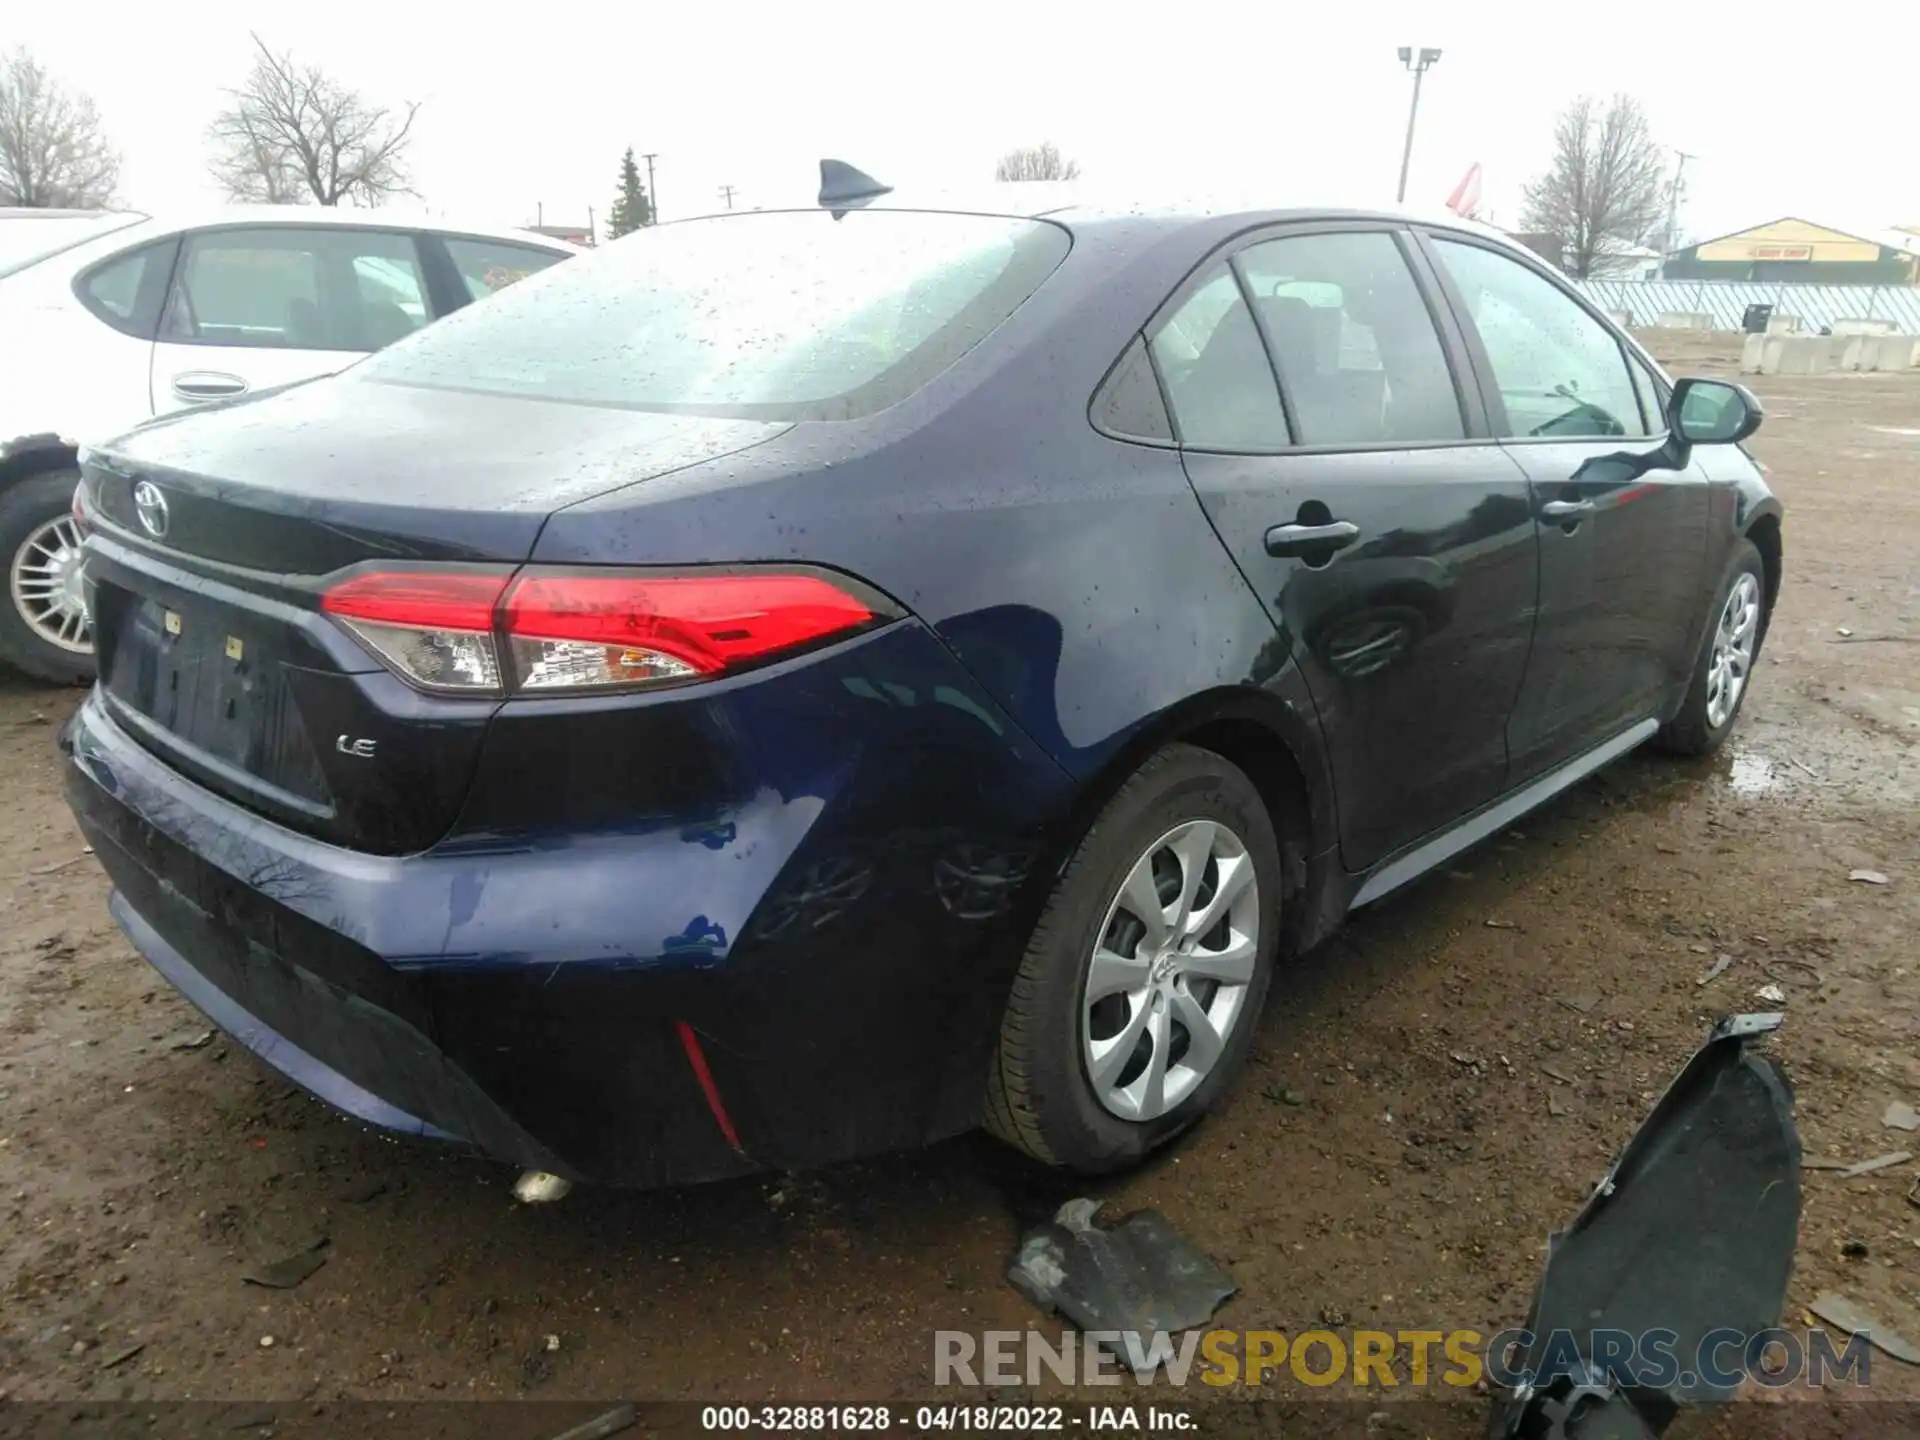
{"points": [[433, 627], [572, 630], [80, 521]]}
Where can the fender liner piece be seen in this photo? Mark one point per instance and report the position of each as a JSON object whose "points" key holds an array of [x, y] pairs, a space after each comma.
{"points": [[1691, 1232]]}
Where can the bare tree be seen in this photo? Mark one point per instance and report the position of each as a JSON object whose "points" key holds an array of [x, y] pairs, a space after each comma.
{"points": [[1604, 189], [52, 151], [292, 133], [1036, 162]]}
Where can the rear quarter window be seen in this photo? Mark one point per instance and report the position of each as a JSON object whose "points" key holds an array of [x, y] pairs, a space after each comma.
{"points": [[789, 315], [126, 291], [1128, 405], [489, 265]]}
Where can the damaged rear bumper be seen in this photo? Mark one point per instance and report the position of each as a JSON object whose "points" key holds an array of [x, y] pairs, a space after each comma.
{"points": [[224, 906]]}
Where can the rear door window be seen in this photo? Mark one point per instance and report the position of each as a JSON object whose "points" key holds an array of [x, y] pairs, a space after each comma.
{"points": [[297, 288], [1359, 357], [1218, 379], [391, 298]]}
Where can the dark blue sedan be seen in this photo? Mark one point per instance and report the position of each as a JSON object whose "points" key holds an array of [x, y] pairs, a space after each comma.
{"points": [[797, 684]]}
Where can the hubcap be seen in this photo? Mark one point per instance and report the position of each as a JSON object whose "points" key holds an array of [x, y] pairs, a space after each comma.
{"points": [[1167, 982], [1733, 641], [46, 586]]}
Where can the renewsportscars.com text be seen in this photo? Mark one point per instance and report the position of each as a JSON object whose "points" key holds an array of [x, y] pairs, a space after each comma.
{"points": [[1459, 1359]]}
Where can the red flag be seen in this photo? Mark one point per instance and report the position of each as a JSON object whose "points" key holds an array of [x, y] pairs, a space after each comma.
{"points": [[1465, 199]]}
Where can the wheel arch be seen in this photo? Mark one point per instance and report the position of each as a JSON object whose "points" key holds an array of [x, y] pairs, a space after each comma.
{"points": [[1764, 531], [1279, 750]]}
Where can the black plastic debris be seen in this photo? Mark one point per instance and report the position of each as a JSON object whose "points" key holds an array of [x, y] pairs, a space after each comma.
{"points": [[1692, 1231], [288, 1271], [1139, 1278]]}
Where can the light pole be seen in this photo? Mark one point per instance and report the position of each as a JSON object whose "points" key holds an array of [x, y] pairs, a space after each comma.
{"points": [[653, 195], [1418, 62], [1673, 206]]}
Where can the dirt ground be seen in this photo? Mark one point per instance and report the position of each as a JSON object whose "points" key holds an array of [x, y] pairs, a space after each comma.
{"points": [[1394, 1158]]}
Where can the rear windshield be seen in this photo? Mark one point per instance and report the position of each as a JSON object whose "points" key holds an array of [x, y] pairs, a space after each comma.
{"points": [[788, 315]]}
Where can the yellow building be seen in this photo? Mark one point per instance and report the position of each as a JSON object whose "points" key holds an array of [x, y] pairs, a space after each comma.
{"points": [[1793, 251]]}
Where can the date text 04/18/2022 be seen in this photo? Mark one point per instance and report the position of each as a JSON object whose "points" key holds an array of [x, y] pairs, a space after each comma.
{"points": [[1006, 1419]]}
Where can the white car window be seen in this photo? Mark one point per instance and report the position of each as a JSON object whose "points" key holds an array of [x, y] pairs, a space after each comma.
{"points": [[489, 265], [386, 281], [299, 288]]}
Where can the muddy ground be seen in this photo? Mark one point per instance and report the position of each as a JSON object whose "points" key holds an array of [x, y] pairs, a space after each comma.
{"points": [[141, 1170]]}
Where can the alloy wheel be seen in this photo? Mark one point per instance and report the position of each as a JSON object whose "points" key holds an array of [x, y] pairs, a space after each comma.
{"points": [[45, 581], [1168, 979], [1733, 642]]}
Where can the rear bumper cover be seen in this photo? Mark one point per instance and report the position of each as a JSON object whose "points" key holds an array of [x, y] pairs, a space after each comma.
{"points": [[300, 1066], [337, 1023], [823, 957]]}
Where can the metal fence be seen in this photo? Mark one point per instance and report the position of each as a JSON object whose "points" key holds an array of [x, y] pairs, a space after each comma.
{"points": [[1815, 306]]}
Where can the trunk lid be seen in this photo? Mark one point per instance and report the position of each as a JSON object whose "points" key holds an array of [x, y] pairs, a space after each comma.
{"points": [[217, 532], [327, 473]]}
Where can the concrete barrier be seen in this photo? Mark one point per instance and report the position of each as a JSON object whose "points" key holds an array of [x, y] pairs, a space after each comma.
{"points": [[1684, 320], [1864, 327], [1819, 354], [1889, 352]]}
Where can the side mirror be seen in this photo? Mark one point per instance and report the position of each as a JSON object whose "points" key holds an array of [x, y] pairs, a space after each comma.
{"points": [[1713, 412]]}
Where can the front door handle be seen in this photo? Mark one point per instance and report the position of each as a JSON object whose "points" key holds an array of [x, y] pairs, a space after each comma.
{"points": [[1566, 511], [1286, 541], [208, 385]]}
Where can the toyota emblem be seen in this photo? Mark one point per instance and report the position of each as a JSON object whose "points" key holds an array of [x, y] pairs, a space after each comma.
{"points": [[151, 506]]}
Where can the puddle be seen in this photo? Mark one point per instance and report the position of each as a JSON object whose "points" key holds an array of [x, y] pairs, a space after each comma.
{"points": [[1752, 774]]}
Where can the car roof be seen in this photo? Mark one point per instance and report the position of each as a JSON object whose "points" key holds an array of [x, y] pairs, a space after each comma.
{"points": [[1078, 204], [326, 215], [38, 212]]}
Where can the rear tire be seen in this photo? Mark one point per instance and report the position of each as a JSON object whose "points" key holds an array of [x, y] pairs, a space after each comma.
{"points": [[1723, 674], [38, 544], [1092, 1081]]}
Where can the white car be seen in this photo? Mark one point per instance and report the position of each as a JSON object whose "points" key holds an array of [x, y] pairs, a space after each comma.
{"points": [[108, 318]]}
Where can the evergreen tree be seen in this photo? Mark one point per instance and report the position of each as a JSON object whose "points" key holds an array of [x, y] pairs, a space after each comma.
{"points": [[632, 207]]}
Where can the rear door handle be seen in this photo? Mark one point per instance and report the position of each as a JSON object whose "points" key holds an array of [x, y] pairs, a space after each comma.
{"points": [[1565, 510], [1284, 541], [208, 385]]}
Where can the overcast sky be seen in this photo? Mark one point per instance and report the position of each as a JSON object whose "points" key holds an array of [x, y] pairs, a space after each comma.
{"points": [[529, 105]]}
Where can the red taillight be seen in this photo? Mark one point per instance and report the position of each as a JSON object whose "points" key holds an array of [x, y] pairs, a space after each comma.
{"points": [[433, 627], [573, 629], [580, 630], [80, 521], [423, 600]]}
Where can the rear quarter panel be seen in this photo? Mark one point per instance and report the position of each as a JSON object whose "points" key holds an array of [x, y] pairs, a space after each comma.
{"points": [[67, 373]]}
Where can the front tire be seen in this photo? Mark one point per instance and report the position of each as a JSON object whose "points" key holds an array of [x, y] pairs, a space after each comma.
{"points": [[1724, 672], [44, 627], [1142, 986]]}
